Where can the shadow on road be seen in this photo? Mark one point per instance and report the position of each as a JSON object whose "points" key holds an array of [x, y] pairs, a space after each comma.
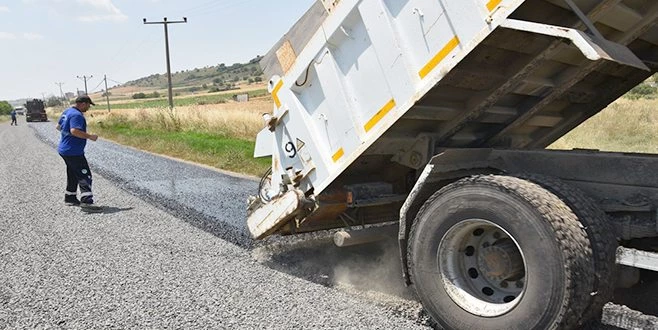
{"points": [[112, 209]]}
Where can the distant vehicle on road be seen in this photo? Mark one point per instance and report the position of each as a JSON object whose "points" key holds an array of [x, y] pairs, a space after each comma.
{"points": [[36, 111], [20, 111]]}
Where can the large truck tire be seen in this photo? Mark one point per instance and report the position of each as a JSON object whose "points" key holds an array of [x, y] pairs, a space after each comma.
{"points": [[600, 233], [500, 252]]}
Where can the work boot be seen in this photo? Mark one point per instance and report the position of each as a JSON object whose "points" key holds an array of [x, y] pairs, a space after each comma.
{"points": [[91, 208], [71, 201]]}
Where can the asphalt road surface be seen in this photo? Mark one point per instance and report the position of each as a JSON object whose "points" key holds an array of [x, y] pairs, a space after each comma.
{"points": [[170, 251]]}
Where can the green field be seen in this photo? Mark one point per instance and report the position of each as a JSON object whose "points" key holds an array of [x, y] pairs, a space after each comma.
{"points": [[163, 102], [215, 150]]}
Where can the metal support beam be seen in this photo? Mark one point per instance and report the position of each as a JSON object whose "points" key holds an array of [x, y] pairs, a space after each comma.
{"points": [[455, 125], [637, 258], [576, 76]]}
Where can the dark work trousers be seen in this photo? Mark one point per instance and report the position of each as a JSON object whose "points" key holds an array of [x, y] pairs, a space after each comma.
{"points": [[13, 121], [78, 174]]}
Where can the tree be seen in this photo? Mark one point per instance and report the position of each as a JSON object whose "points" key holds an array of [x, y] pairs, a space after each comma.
{"points": [[53, 102], [5, 108]]}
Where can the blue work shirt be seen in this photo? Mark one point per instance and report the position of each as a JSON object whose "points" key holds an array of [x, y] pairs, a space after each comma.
{"points": [[13, 114], [70, 145]]}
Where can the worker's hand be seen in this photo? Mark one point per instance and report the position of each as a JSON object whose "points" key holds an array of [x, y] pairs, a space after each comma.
{"points": [[93, 137]]}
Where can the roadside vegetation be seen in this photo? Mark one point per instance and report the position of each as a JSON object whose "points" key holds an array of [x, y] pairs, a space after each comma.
{"points": [[627, 125], [162, 100], [210, 128], [5, 109], [221, 135]]}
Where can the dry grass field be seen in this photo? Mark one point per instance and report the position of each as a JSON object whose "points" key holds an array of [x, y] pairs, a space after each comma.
{"points": [[222, 135], [624, 126], [233, 119]]}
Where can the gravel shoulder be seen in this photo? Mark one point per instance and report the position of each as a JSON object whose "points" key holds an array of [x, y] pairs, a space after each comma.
{"points": [[169, 252]]}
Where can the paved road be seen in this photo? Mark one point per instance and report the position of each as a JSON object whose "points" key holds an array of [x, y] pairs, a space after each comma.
{"points": [[169, 252]]}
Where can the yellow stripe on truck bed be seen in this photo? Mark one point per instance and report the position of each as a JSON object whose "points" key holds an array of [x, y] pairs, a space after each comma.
{"points": [[379, 115], [449, 47]]}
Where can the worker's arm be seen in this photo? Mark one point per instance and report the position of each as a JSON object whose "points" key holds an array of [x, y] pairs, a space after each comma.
{"points": [[83, 135], [59, 128]]}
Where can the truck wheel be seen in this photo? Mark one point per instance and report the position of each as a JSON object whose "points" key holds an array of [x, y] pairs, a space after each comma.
{"points": [[498, 252], [600, 234]]}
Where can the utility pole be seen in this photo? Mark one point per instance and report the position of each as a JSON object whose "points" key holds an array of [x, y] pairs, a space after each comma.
{"points": [[61, 93], [85, 78], [166, 23], [107, 93]]}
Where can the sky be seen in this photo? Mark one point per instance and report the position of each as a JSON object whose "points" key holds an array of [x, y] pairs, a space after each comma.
{"points": [[46, 42]]}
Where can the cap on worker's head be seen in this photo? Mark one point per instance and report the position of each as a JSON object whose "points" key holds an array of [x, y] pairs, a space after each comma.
{"points": [[84, 99]]}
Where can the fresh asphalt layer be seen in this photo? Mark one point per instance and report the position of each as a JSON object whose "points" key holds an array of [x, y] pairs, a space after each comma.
{"points": [[170, 250]]}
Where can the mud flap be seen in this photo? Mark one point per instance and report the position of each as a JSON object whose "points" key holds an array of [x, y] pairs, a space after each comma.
{"points": [[594, 48]]}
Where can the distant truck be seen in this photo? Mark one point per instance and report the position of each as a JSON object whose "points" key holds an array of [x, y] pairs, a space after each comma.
{"points": [[433, 118], [20, 111], [35, 111]]}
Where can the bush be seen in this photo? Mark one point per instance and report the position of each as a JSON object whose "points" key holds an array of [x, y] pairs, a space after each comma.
{"points": [[53, 102], [5, 108], [643, 90], [139, 96]]}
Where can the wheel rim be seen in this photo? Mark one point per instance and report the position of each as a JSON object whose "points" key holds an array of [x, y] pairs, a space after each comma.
{"points": [[482, 268]]}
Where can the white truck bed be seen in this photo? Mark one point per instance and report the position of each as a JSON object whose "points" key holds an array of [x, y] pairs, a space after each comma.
{"points": [[367, 85]]}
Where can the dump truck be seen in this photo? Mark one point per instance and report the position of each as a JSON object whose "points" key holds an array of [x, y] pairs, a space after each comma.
{"points": [[434, 118], [35, 111]]}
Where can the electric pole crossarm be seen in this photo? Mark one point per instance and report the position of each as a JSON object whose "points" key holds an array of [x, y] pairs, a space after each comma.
{"points": [[85, 78]]}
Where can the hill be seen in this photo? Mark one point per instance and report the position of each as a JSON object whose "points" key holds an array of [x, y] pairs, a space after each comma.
{"points": [[221, 77]]}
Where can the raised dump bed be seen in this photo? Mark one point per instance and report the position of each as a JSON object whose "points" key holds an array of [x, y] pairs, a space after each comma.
{"points": [[396, 111]]}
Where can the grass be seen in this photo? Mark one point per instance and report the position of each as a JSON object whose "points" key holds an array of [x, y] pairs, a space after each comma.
{"points": [[222, 136], [163, 102], [626, 125], [219, 151]]}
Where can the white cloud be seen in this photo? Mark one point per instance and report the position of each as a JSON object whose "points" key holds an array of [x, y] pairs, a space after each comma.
{"points": [[106, 11], [7, 36], [4, 9], [32, 36]]}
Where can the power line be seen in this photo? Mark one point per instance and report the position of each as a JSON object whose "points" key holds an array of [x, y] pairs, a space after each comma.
{"points": [[95, 89], [166, 23]]}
